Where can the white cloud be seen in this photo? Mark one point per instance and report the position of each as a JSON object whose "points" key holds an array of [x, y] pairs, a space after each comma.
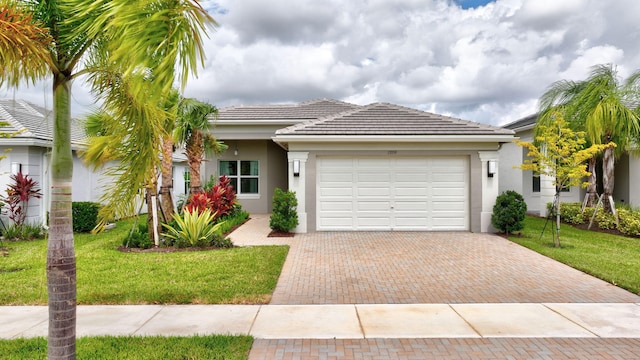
{"points": [[489, 63]]}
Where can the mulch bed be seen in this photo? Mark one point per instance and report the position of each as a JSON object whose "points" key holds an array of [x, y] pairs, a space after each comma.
{"points": [[274, 233]]}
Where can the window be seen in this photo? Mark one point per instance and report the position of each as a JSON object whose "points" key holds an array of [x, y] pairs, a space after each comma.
{"points": [[536, 182], [243, 175], [187, 181]]}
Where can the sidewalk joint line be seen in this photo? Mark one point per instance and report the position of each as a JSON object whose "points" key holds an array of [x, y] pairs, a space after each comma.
{"points": [[364, 334], [466, 321], [573, 322], [162, 307]]}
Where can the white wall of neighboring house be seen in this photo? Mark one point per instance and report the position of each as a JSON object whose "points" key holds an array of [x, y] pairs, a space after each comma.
{"points": [[29, 160], [513, 178]]}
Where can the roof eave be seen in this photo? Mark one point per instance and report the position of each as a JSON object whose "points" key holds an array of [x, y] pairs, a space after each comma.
{"points": [[500, 138]]}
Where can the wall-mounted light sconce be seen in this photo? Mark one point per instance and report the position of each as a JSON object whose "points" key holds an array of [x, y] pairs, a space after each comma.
{"points": [[491, 168], [296, 167], [235, 151], [16, 168]]}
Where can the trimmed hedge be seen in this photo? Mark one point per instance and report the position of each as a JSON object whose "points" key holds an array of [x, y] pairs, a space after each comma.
{"points": [[85, 215]]}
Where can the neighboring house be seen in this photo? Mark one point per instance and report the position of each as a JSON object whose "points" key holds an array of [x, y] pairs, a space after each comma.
{"points": [[30, 152], [538, 191], [375, 167]]}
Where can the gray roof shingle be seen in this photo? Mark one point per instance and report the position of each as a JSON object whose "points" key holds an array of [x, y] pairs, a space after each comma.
{"points": [[388, 119], [34, 121], [525, 122], [304, 111]]}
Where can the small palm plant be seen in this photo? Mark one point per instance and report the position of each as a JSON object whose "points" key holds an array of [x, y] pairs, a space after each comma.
{"points": [[193, 228]]}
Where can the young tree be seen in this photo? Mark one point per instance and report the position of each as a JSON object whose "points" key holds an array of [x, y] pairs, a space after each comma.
{"points": [[560, 153], [606, 109], [116, 44], [191, 132]]}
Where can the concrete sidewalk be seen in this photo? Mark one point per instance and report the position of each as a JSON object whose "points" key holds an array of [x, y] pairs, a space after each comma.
{"points": [[417, 321]]}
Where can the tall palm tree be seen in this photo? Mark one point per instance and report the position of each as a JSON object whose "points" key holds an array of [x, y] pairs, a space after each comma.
{"points": [[606, 109], [116, 44], [191, 131]]}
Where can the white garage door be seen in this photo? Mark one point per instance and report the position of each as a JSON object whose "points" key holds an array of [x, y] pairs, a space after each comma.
{"points": [[391, 193]]}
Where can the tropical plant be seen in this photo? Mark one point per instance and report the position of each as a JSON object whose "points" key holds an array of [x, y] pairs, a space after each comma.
{"points": [[127, 51], [284, 216], [21, 189], [220, 199], [560, 153], [606, 109], [193, 228], [191, 132], [509, 212]]}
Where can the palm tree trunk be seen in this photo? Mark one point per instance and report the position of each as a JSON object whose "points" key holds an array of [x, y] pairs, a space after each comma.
{"points": [[166, 201], [61, 260], [194, 152], [592, 188], [608, 169]]}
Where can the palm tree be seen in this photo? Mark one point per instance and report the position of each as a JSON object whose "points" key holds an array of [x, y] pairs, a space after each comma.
{"points": [[166, 199], [116, 44], [191, 131], [606, 109]]}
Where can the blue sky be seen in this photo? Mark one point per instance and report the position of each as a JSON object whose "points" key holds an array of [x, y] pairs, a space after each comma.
{"points": [[466, 4], [488, 64]]}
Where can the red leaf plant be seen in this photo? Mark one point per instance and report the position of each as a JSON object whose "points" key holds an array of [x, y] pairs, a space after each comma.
{"points": [[20, 191]]}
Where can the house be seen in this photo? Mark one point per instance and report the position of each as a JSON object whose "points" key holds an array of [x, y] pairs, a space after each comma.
{"points": [[30, 152], [357, 168], [538, 191]]}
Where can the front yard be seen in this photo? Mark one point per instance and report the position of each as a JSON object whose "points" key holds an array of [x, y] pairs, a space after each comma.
{"points": [[105, 275], [613, 258]]}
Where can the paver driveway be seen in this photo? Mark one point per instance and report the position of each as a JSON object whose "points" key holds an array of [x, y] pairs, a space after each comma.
{"points": [[423, 267], [391, 268]]}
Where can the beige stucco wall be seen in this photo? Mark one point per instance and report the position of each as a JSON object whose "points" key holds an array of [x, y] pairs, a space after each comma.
{"points": [[272, 170]]}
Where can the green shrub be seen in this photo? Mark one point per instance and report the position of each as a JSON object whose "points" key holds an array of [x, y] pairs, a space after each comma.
{"points": [[509, 212], [85, 215], [606, 220], [232, 220], [284, 216], [24, 231], [138, 238], [572, 213], [193, 229], [629, 222]]}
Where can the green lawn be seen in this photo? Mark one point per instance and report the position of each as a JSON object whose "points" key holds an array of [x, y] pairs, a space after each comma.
{"points": [[132, 348], [612, 258], [107, 276]]}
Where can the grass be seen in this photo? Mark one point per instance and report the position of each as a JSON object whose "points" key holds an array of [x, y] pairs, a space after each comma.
{"points": [[132, 347], [613, 258], [105, 275]]}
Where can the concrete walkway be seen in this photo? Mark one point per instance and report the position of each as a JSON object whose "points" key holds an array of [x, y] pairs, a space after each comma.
{"points": [[365, 321]]}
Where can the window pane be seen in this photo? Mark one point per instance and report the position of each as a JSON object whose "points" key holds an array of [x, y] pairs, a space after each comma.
{"points": [[249, 168], [536, 183], [229, 168], [248, 186], [234, 184]]}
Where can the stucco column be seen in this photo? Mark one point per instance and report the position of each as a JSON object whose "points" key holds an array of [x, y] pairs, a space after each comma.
{"points": [[490, 189], [547, 193], [297, 184]]}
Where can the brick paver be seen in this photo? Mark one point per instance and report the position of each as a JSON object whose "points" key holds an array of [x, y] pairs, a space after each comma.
{"points": [[494, 348], [420, 267], [429, 267]]}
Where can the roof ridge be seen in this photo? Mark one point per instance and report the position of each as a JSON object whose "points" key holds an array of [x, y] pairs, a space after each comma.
{"points": [[321, 119]]}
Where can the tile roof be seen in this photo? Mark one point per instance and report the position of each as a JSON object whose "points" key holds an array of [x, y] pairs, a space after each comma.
{"points": [[389, 119], [304, 111], [526, 122], [34, 121]]}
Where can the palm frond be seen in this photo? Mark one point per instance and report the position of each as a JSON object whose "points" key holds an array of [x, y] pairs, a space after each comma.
{"points": [[24, 45]]}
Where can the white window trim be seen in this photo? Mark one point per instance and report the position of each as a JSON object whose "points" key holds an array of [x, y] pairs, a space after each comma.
{"points": [[239, 195]]}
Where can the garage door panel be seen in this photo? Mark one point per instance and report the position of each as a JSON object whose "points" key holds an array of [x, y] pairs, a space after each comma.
{"points": [[394, 193], [367, 206], [336, 206], [338, 192], [337, 177]]}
